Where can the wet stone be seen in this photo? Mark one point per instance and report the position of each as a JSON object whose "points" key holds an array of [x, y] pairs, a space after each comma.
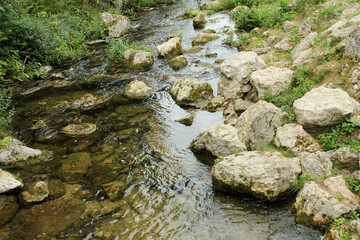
{"points": [[104, 173], [187, 120], [79, 129], [75, 166], [36, 192], [8, 208], [56, 188], [8, 181]]}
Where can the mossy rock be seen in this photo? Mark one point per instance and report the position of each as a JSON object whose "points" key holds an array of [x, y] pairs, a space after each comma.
{"points": [[178, 62], [79, 129]]}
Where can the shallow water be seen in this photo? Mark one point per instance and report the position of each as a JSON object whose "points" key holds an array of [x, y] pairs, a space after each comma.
{"points": [[164, 191]]}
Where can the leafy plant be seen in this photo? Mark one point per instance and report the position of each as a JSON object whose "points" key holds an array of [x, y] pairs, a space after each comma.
{"points": [[117, 47], [5, 143], [354, 185], [303, 178], [6, 112]]}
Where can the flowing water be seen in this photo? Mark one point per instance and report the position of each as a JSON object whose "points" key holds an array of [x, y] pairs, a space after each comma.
{"points": [[139, 156]]}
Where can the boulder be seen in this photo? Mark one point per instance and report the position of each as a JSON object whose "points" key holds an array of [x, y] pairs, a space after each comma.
{"points": [[117, 25], [204, 38], [265, 175], [47, 220], [36, 192], [187, 120], [219, 140], [300, 58], [236, 72], [178, 62], [74, 166], [199, 21], [295, 138], [324, 107], [258, 124], [8, 208], [305, 43], [285, 45], [17, 154], [139, 59], [319, 200], [273, 78], [349, 229], [316, 164], [344, 158], [190, 91], [137, 90], [8, 181], [352, 44], [171, 48], [288, 26]]}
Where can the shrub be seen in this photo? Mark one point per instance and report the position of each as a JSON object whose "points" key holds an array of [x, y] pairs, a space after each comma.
{"points": [[117, 47], [5, 109]]}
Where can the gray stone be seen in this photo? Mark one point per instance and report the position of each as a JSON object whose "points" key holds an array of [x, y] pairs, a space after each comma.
{"points": [[137, 90], [187, 120], [17, 151], [344, 158], [274, 79], [171, 48], [265, 175], [305, 43], [8, 181], [8, 208], [257, 125], [36, 192], [355, 19], [178, 62], [342, 33], [352, 44], [218, 140], [236, 72], [300, 58], [288, 26], [318, 200], [285, 45], [316, 164], [190, 91], [338, 25], [308, 26], [116, 24], [204, 38], [294, 137], [324, 107]]}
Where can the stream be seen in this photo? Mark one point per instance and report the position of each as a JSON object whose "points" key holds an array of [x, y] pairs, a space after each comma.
{"points": [[139, 155]]}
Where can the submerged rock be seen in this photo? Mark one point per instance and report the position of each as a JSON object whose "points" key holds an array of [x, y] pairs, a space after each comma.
{"points": [[36, 192], [258, 124], [171, 48], [236, 72], [265, 175], [191, 91], [48, 219], [79, 129], [271, 79], [117, 25], [318, 200], [8, 208], [219, 140], [87, 101], [178, 62], [74, 166], [137, 90], [187, 121], [8, 181], [204, 38], [294, 137], [324, 107]]}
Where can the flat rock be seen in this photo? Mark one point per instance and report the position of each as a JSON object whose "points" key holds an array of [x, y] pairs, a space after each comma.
{"points": [[273, 78], [137, 90], [305, 43], [265, 175], [295, 138], [316, 164], [219, 140], [324, 107], [8, 208], [8, 181], [236, 72], [318, 200], [204, 38], [190, 91], [258, 124]]}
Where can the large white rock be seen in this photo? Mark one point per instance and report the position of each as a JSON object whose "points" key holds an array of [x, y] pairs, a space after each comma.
{"points": [[257, 125], [218, 140], [317, 164], [318, 200], [17, 151], [265, 175], [190, 91], [324, 107], [116, 24], [171, 48], [137, 90], [294, 137], [305, 43], [236, 72], [344, 158], [273, 78], [8, 182]]}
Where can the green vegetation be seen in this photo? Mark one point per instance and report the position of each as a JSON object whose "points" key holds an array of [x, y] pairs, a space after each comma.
{"points": [[354, 185], [302, 82], [273, 148], [340, 136], [303, 178]]}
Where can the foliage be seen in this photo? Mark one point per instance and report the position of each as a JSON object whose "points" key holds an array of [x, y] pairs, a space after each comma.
{"points": [[340, 136], [272, 148], [303, 178], [354, 185], [5, 109], [117, 47], [219, 159], [5, 143], [302, 82]]}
